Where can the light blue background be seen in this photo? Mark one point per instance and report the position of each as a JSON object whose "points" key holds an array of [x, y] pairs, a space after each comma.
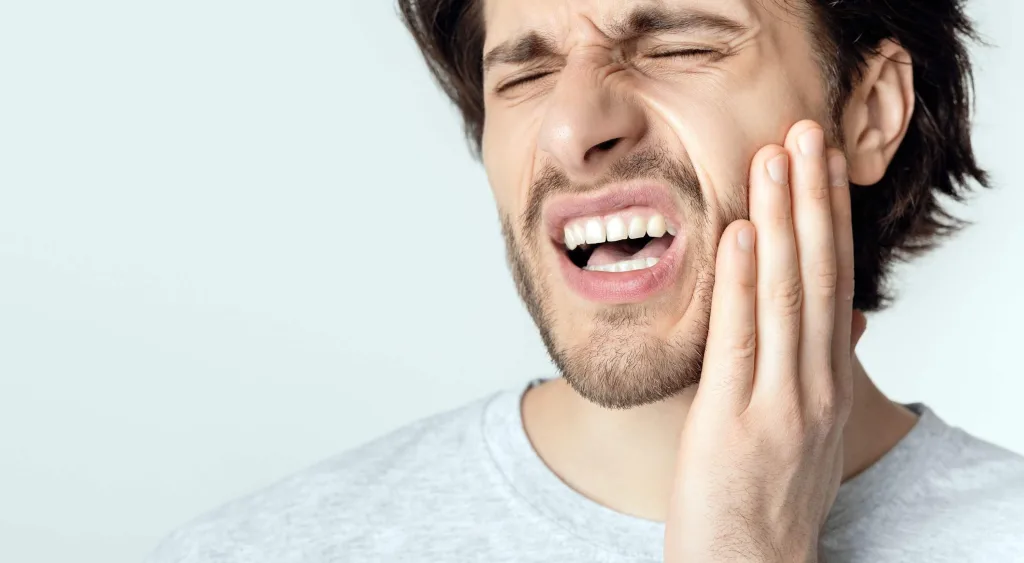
{"points": [[239, 237]]}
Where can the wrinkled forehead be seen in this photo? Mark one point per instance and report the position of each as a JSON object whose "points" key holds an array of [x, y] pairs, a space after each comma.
{"points": [[559, 20]]}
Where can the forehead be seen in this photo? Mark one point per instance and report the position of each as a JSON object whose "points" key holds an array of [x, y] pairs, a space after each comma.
{"points": [[559, 19]]}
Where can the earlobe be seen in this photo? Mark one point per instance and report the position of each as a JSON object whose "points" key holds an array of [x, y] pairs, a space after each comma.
{"points": [[878, 113]]}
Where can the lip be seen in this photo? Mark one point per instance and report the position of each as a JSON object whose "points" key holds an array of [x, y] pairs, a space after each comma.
{"points": [[625, 287], [562, 209], [618, 287]]}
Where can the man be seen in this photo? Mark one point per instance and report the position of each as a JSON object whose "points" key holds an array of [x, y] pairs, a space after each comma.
{"points": [[687, 189]]}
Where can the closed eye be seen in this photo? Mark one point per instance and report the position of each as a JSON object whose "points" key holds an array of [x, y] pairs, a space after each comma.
{"points": [[520, 81], [685, 53]]}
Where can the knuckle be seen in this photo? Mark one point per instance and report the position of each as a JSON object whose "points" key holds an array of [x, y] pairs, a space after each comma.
{"points": [[817, 192], [744, 346], [782, 218], [747, 285], [826, 278], [787, 296], [826, 413], [830, 410]]}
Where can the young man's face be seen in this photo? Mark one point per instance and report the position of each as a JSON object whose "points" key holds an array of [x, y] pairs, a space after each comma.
{"points": [[633, 121]]}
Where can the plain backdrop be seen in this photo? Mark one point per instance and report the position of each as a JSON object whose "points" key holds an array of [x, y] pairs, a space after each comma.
{"points": [[240, 237]]}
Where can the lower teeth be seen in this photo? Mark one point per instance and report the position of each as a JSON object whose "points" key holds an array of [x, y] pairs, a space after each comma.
{"points": [[624, 266]]}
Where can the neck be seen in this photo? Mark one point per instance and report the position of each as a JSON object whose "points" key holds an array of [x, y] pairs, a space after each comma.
{"points": [[624, 459]]}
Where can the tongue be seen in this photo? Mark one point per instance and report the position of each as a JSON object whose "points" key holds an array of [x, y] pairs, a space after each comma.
{"points": [[612, 252]]}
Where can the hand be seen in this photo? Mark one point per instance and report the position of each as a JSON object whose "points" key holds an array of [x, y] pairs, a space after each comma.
{"points": [[761, 454]]}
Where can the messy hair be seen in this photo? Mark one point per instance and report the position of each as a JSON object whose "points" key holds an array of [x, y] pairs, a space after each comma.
{"points": [[898, 218]]}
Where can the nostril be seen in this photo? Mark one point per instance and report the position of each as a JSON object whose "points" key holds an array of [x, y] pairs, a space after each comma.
{"points": [[601, 147]]}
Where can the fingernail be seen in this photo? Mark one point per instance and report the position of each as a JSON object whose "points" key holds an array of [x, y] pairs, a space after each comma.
{"points": [[812, 142], [745, 238], [837, 170], [778, 169]]}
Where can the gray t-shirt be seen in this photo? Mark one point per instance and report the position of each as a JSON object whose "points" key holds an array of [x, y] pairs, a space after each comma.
{"points": [[466, 486]]}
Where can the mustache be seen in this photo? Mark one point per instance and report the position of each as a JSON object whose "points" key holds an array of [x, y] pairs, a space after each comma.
{"points": [[649, 163]]}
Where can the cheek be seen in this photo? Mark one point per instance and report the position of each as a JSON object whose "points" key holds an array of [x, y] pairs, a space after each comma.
{"points": [[702, 124], [508, 150], [720, 122]]}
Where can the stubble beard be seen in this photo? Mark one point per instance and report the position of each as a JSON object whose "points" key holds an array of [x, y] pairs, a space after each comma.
{"points": [[621, 365]]}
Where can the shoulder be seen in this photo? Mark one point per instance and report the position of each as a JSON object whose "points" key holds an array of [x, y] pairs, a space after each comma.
{"points": [[971, 472], [976, 493], [966, 502], [309, 514], [941, 494]]}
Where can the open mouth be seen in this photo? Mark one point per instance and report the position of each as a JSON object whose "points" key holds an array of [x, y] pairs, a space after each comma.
{"points": [[621, 242]]}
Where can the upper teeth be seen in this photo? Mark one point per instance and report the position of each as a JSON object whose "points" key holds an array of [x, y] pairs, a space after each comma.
{"points": [[618, 226]]}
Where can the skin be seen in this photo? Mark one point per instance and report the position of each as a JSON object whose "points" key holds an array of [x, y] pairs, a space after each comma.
{"points": [[746, 464], [777, 378]]}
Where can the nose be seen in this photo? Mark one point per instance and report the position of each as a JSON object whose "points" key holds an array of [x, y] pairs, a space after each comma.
{"points": [[588, 126]]}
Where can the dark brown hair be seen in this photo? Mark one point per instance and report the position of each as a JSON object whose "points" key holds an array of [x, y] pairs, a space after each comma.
{"points": [[898, 218]]}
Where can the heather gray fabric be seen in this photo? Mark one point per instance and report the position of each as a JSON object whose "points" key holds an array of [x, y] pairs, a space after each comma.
{"points": [[465, 486]]}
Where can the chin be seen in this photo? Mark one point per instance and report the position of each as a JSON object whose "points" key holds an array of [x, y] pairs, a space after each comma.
{"points": [[618, 288], [620, 363]]}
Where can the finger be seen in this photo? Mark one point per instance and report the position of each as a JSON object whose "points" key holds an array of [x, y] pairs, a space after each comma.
{"points": [[728, 372], [842, 225], [779, 294], [858, 326], [812, 223]]}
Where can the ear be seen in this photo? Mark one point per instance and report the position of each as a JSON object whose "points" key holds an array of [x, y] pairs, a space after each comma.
{"points": [[878, 112]]}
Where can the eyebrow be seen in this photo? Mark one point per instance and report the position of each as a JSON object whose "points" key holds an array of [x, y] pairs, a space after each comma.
{"points": [[523, 49], [643, 20]]}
